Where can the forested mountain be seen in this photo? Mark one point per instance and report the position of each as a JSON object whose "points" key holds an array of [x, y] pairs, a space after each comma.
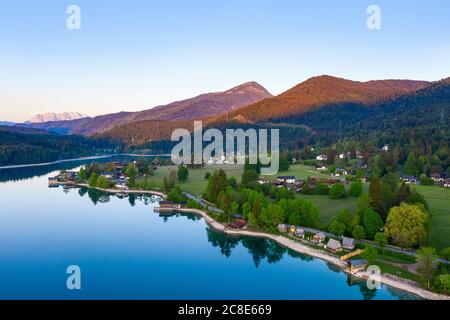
{"points": [[25, 145], [321, 93], [210, 104]]}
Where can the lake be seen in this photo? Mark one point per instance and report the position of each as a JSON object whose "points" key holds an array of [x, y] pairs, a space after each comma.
{"points": [[127, 251]]}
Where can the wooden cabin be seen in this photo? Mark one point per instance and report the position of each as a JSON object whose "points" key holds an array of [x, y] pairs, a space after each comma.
{"points": [[319, 237], [348, 243], [300, 233], [238, 224], [283, 228], [334, 246], [357, 265]]}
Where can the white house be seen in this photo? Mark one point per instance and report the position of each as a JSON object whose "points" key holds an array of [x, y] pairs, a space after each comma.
{"points": [[322, 157], [385, 147]]}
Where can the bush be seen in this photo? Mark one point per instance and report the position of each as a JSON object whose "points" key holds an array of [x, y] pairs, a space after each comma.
{"points": [[176, 195], [322, 188], [207, 175], [337, 191], [183, 173], [445, 253], [356, 189]]}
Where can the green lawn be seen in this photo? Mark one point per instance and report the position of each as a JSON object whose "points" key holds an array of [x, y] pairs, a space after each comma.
{"points": [[196, 182], [439, 201]]}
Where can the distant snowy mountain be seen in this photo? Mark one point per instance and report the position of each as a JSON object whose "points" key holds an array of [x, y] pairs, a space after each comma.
{"points": [[7, 123], [50, 116]]}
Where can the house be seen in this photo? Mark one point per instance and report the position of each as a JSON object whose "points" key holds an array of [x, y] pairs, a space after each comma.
{"points": [[321, 167], [322, 157], [437, 178], [357, 265], [359, 154], [447, 183], [122, 186], [348, 243], [410, 179], [340, 172], [286, 179], [319, 237], [283, 228], [263, 180], [292, 229], [238, 224], [334, 246], [300, 233], [385, 147]]}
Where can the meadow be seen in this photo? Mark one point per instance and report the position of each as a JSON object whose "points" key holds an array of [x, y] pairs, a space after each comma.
{"points": [[439, 202]]}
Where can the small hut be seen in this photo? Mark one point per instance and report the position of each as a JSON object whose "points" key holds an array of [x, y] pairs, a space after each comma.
{"points": [[292, 229], [282, 228], [300, 233], [334, 246], [348, 243], [357, 265], [319, 237]]}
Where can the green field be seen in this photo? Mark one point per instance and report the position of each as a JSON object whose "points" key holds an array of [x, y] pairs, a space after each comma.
{"points": [[439, 201]]}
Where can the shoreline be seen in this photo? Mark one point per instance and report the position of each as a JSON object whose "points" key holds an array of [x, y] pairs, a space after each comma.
{"points": [[386, 279], [43, 164]]}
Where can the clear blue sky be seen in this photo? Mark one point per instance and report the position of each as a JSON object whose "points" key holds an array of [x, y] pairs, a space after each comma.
{"points": [[136, 54]]}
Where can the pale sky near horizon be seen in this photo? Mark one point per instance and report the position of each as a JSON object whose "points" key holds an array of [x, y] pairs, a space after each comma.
{"points": [[137, 54]]}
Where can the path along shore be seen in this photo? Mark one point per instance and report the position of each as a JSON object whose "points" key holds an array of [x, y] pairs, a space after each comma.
{"points": [[391, 281]]}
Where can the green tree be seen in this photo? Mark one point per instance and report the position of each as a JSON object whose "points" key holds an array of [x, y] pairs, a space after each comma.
{"points": [[372, 222], [183, 173], [272, 215], [232, 182], [381, 238], [207, 176], [176, 195], [93, 180], [427, 260], [356, 189], [376, 201], [370, 253], [411, 165], [406, 225], [102, 182], [216, 184], [345, 216], [359, 232], [255, 215], [337, 191], [131, 172], [166, 185], [337, 228], [444, 283], [445, 253], [82, 175], [249, 178], [173, 177]]}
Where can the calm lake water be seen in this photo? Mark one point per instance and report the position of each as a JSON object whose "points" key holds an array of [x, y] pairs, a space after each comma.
{"points": [[126, 251]]}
